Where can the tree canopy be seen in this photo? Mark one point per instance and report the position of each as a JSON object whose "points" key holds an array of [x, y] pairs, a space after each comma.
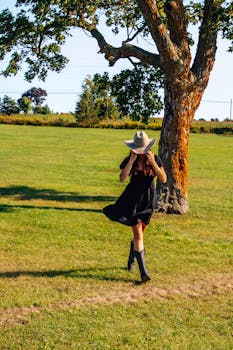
{"points": [[36, 95], [36, 33], [8, 106]]}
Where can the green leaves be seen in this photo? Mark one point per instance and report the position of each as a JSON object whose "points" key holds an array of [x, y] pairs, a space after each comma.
{"points": [[137, 91], [38, 39], [95, 102], [37, 32], [227, 23], [134, 93], [8, 106], [194, 12]]}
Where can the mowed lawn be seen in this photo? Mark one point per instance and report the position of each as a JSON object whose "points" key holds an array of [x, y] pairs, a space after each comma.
{"points": [[63, 282]]}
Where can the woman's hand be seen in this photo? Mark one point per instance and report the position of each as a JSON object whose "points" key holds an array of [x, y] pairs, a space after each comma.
{"points": [[127, 169], [133, 156], [150, 156], [160, 172]]}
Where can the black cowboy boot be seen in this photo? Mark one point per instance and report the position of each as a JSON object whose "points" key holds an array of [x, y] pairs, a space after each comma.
{"points": [[142, 265], [130, 265]]}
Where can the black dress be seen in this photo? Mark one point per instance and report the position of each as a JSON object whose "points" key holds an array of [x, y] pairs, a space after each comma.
{"points": [[138, 201]]}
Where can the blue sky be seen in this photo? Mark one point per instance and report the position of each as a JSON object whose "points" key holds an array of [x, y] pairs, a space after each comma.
{"points": [[64, 88]]}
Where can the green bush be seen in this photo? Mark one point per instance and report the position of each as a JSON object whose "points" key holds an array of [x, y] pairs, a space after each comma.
{"points": [[68, 120], [214, 127]]}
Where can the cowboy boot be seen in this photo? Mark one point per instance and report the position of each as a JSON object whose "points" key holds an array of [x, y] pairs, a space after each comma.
{"points": [[130, 265], [141, 259]]}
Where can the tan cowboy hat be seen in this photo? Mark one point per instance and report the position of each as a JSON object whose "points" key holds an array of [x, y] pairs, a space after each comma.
{"points": [[141, 143]]}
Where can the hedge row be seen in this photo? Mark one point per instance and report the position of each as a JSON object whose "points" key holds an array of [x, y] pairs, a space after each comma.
{"points": [[38, 120], [68, 120]]}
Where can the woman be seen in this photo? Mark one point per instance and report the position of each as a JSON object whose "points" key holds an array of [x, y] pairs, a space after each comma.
{"points": [[136, 204]]}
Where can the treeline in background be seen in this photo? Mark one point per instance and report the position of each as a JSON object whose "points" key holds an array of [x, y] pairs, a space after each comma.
{"points": [[130, 100]]}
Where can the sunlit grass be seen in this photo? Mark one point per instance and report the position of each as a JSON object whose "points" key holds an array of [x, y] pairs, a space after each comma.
{"points": [[56, 245]]}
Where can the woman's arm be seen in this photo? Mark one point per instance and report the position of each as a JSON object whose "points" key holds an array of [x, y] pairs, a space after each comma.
{"points": [[126, 171], [160, 172]]}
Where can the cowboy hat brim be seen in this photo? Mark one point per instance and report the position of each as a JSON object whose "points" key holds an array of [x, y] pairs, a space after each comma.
{"points": [[140, 150]]}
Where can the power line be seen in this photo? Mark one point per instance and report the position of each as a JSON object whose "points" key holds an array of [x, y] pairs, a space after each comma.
{"points": [[212, 101], [72, 92], [48, 92]]}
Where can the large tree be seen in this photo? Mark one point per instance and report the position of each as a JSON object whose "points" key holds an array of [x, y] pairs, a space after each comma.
{"points": [[36, 34]]}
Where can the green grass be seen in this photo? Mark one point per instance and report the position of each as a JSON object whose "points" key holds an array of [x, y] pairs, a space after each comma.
{"points": [[56, 247], [175, 325]]}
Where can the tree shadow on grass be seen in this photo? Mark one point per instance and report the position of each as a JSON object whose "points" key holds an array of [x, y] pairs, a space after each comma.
{"points": [[103, 274], [5, 208], [29, 193], [10, 208]]}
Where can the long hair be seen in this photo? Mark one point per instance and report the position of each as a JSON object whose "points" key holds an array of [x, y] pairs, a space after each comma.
{"points": [[147, 168]]}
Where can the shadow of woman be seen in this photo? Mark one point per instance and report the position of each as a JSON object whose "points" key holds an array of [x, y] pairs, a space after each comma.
{"points": [[103, 274]]}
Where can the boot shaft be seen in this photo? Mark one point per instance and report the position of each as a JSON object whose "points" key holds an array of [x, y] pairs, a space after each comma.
{"points": [[131, 258], [141, 259]]}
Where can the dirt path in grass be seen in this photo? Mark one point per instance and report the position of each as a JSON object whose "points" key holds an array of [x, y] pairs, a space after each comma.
{"points": [[201, 287]]}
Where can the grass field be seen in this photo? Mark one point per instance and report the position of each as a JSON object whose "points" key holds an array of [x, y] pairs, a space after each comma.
{"points": [[63, 283]]}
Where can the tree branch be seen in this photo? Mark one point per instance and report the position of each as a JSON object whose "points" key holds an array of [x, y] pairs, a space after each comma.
{"points": [[113, 54], [135, 34], [132, 62], [168, 51], [177, 27], [207, 43]]}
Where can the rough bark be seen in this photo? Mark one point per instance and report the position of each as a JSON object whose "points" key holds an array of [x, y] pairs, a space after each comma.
{"points": [[180, 107], [184, 88]]}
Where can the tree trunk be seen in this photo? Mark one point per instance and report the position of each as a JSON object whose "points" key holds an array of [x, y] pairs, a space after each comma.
{"points": [[184, 85], [180, 106]]}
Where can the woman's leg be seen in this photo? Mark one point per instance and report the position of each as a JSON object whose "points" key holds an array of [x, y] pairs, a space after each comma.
{"points": [[139, 251], [131, 258], [143, 226], [138, 237]]}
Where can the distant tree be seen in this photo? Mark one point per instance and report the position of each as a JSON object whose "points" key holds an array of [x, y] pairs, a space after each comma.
{"points": [[36, 95], [85, 107], [46, 110], [133, 92], [8, 106], [25, 104], [137, 91], [41, 109], [105, 102], [95, 102]]}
